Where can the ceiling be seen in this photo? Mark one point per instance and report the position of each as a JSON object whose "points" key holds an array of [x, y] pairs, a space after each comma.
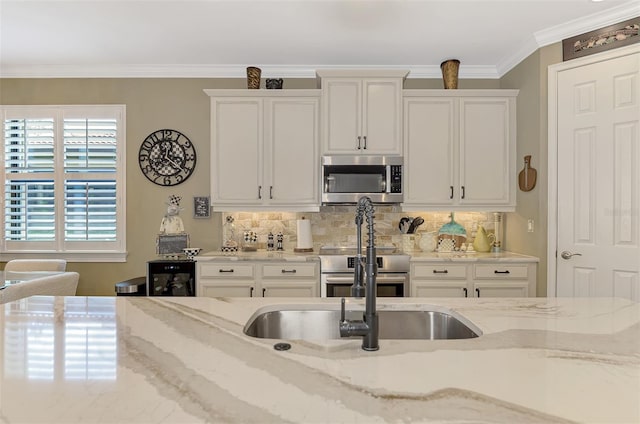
{"points": [[291, 38]]}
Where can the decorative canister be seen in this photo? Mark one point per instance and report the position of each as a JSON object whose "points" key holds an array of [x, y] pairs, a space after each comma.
{"points": [[450, 73], [451, 236], [409, 242], [273, 83], [253, 77], [428, 241]]}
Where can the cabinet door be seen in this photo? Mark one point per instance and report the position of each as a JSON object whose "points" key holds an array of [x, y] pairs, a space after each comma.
{"points": [[342, 112], [500, 289], [288, 289], [381, 116], [291, 133], [439, 289], [430, 135], [485, 151], [236, 150], [235, 289]]}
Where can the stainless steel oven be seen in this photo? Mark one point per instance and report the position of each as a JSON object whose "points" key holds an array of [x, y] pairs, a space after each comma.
{"points": [[337, 266]]}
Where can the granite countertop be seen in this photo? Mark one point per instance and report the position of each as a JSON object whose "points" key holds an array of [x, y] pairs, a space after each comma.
{"points": [[186, 360], [472, 257], [287, 255], [260, 255]]}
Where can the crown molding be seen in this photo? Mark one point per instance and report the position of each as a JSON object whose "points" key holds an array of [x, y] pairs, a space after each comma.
{"points": [[529, 46], [220, 71], [540, 39], [592, 22], [572, 28]]}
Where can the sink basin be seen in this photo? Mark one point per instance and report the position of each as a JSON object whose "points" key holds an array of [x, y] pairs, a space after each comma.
{"points": [[317, 324]]}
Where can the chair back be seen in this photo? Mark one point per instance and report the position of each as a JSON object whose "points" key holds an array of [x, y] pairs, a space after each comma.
{"points": [[36, 265], [64, 284]]}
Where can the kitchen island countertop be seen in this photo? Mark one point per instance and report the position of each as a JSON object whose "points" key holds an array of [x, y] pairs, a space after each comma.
{"points": [[184, 360]]}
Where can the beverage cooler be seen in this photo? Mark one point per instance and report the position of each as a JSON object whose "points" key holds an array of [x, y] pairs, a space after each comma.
{"points": [[171, 278]]}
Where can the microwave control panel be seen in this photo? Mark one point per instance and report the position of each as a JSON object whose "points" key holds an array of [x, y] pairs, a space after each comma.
{"points": [[396, 178]]}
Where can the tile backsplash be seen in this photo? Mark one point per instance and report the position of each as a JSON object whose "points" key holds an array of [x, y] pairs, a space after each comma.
{"points": [[335, 226]]}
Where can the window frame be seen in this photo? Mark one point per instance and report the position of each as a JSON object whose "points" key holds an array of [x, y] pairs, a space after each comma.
{"points": [[73, 251]]}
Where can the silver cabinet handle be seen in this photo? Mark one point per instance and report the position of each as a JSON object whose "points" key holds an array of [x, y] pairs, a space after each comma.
{"points": [[359, 139], [568, 255], [365, 142]]}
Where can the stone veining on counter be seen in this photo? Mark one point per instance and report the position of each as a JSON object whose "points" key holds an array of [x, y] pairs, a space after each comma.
{"points": [[187, 360]]}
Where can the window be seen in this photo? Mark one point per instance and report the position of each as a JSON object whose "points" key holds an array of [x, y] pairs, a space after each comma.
{"points": [[63, 185]]}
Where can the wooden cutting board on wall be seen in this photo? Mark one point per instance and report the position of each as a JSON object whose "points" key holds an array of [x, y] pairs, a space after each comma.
{"points": [[527, 177]]}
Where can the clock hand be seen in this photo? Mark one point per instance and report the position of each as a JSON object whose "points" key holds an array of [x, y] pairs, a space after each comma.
{"points": [[174, 163]]}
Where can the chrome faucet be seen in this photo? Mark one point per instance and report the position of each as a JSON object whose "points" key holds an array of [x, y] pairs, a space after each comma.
{"points": [[368, 326]]}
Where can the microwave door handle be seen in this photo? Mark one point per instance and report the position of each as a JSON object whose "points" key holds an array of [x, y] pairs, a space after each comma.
{"points": [[326, 182], [387, 183]]}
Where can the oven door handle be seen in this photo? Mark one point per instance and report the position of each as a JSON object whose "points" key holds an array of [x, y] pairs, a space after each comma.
{"points": [[379, 279], [339, 279]]}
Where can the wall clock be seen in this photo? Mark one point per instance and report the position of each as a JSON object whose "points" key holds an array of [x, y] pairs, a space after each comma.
{"points": [[167, 157]]}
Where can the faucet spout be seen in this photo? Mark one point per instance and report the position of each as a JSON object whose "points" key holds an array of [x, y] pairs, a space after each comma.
{"points": [[368, 326]]}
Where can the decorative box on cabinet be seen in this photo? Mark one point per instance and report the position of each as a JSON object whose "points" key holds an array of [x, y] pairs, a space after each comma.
{"points": [[264, 150], [463, 142], [257, 279], [362, 111], [486, 279]]}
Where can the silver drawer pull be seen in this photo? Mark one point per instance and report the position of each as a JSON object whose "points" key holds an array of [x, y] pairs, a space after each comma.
{"points": [[292, 271], [435, 271], [225, 270]]}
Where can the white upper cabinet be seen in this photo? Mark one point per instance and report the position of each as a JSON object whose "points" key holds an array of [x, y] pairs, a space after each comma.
{"points": [[264, 150], [362, 113], [460, 148]]}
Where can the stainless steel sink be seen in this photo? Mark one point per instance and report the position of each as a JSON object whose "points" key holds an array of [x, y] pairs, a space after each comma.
{"points": [[323, 324]]}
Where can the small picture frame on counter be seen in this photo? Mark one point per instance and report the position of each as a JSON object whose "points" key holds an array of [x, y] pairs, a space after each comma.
{"points": [[201, 207], [171, 244]]}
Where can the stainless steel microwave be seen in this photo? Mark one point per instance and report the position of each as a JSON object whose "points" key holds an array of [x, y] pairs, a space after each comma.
{"points": [[345, 179]]}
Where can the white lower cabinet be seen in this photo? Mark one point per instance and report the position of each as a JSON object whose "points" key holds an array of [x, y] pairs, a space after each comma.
{"points": [[444, 279], [257, 279]]}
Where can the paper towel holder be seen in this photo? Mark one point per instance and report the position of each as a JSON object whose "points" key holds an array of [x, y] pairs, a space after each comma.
{"points": [[302, 249]]}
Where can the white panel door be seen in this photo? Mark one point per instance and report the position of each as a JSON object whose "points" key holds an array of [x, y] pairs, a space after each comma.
{"points": [[292, 138], [381, 117], [598, 230], [430, 134], [236, 151], [342, 112], [485, 156]]}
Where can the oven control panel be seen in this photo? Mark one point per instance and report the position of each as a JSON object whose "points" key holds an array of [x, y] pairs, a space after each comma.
{"points": [[351, 262]]}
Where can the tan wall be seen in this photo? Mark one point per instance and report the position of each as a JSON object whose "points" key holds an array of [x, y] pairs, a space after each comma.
{"points": [[530, 77], [154, 104]]}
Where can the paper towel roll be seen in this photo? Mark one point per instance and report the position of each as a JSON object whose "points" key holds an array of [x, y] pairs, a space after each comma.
{"points": [[305, 241]]}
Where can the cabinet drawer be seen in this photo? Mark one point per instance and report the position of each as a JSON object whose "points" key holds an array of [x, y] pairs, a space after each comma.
{"points": [[440, 272], [227, 270], [500, 271], [286, 270]]}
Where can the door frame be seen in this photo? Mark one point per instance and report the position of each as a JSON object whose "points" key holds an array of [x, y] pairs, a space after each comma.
{"points": [[552, 152]]}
